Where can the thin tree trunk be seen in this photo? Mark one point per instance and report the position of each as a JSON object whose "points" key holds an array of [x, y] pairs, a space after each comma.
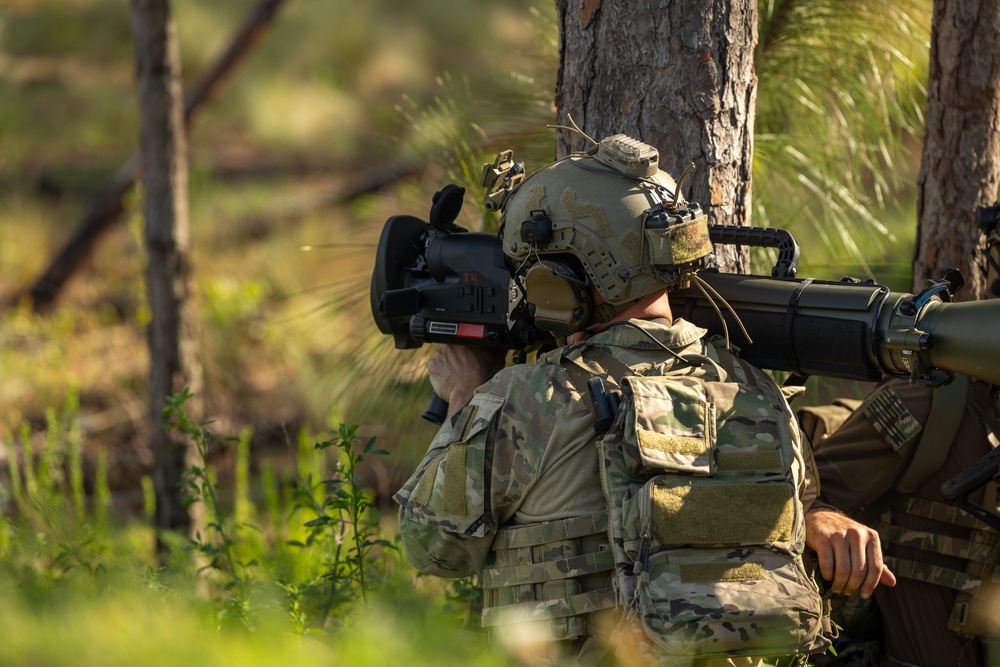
{"points": [[163, 151], [677, 75], [107, 208], [959, 169]]}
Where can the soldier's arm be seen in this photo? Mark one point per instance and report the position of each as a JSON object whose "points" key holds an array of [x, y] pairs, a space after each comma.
{"points": [[856, 464], [478, 469], [864, 457], [848, 552], [444, 519]]}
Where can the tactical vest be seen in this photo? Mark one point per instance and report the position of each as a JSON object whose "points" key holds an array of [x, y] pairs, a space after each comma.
{"points": [[977, 608], [554, 573], [700, 471], [978, 583]]}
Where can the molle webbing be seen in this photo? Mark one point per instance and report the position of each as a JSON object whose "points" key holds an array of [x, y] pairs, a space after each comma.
{"points": [[552, 609], [980, 556], [956, 547], [937, 511], [538, 570], [515, 537], [932, 574], [536, 573]]}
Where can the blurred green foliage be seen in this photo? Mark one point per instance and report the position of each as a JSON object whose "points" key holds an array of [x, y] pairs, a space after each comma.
{"points": [[334, 92], [300, 575]]}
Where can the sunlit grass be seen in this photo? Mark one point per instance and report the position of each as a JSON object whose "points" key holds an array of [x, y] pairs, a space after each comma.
{"points": [[295, 567]]}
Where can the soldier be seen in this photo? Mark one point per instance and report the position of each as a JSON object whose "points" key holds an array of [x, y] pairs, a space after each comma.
{"points": [[886, 465], [674, 530]]}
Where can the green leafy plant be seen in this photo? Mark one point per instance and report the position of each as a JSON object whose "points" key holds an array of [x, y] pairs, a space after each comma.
{"points": [[219, 546], [345, 526]]}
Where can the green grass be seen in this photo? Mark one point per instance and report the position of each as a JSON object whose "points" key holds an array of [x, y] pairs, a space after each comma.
{"points": [[299, 569]]}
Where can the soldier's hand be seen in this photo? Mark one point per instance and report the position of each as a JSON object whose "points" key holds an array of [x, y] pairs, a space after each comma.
{"points": [[849, 553], [457, 370]]}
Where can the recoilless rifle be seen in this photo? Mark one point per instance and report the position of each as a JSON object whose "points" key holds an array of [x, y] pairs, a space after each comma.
{"points": [[436, 282]]}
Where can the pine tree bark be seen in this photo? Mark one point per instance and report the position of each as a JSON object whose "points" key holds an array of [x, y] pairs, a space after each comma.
{"points": [[677, 75], [959, 169], [163, 156]]}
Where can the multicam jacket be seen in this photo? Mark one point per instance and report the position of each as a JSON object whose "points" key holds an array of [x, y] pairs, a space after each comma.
{"points": [[524, 452]]}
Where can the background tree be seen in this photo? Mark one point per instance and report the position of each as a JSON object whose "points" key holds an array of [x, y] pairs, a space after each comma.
{"points": [[677, 75], [108, 208], [959, 170], [167, 235]]}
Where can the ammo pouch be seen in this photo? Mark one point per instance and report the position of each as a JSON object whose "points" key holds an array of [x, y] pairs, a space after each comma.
{"points": [[700, 473]]}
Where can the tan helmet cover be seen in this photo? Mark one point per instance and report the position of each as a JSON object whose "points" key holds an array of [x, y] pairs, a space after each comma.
{"points": [[608, 207]]}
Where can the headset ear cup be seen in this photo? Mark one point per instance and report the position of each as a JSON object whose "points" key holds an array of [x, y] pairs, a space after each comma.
{"points": [[558, 299]]}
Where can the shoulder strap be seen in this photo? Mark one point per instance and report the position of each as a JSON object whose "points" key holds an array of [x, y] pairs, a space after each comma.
{"points": [[947, 408], [607, 368]]}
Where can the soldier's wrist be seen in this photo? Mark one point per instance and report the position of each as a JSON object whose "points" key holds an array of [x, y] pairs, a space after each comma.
{"points": [[821, 505]]}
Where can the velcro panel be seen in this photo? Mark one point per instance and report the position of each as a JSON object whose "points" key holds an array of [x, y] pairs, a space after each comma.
{"points": [[721, 513], [671, 444], [702, 572], [673, 426], [425, 487], [759, 461], [454, 479]]}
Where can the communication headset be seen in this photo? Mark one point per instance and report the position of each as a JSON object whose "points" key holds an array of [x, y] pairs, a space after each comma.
{"points": [[556, 288], [558, 297]]}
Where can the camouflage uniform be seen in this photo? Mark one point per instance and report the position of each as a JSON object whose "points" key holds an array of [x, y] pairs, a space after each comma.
{"points": [[861, 465], [516, 472]]}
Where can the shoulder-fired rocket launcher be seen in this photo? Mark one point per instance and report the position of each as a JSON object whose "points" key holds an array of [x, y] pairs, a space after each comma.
{"points": [[436, 282]]}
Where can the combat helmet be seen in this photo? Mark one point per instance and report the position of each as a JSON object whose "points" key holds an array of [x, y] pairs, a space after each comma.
{"points": [[608, 218]]}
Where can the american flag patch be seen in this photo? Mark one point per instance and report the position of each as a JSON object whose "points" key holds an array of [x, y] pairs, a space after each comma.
{"points": [[891, 418]]}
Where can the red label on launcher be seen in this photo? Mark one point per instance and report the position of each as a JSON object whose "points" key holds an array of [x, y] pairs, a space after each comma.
{"points": [[471, 330]]}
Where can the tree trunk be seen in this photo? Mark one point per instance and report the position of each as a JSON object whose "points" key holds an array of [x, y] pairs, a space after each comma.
{"points": [[163, 151], [959, 170], [677, 75], [108, 207]]}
